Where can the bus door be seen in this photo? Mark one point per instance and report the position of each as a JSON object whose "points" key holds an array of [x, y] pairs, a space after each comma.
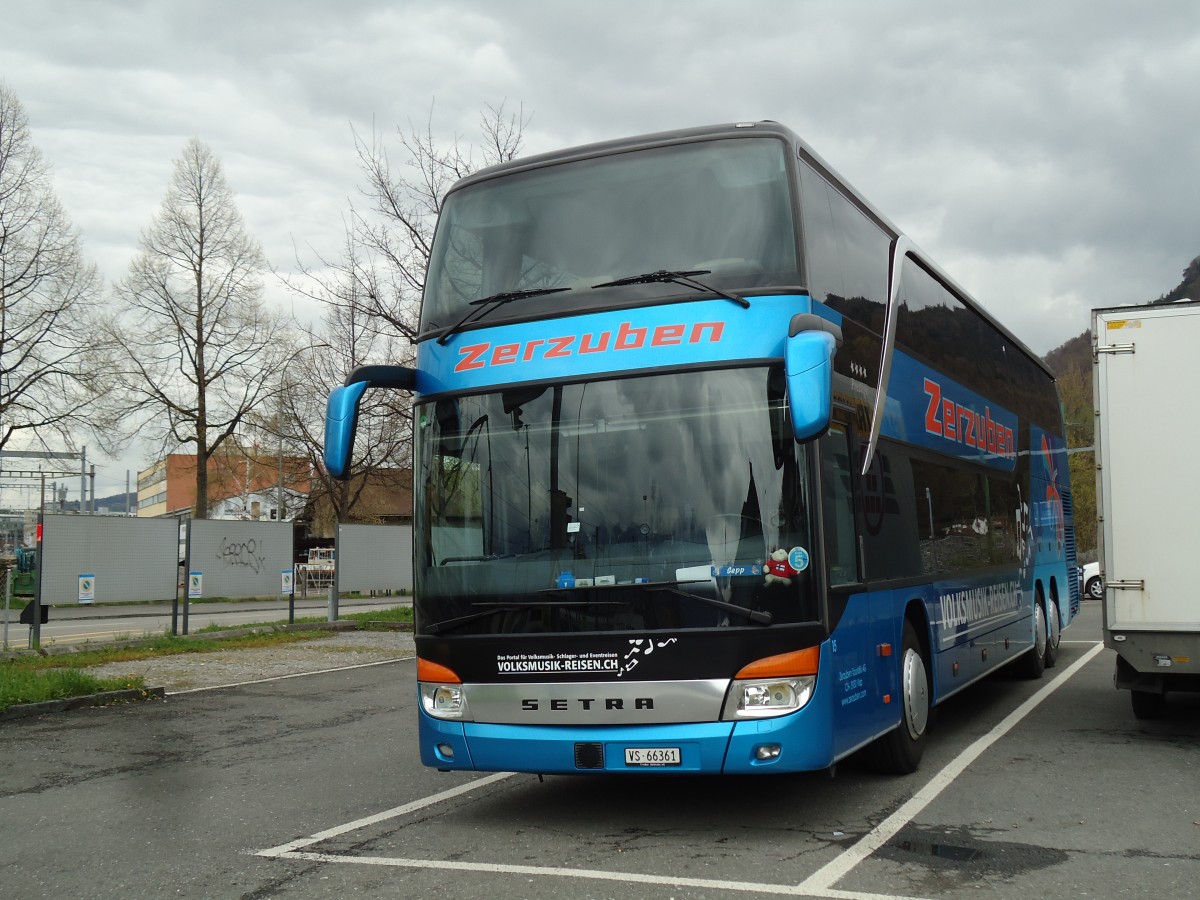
{"points": [[854, 616]]}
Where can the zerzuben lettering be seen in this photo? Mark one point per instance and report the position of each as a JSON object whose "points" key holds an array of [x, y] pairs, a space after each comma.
{"points": [[949, 419], [627, 337]]}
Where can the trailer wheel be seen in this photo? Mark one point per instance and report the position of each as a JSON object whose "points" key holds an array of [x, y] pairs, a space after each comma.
{"points": [[899, 751], [1148, 704]]}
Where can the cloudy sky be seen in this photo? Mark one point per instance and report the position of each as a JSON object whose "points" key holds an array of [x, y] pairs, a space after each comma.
{"points": [[1045, 152]]}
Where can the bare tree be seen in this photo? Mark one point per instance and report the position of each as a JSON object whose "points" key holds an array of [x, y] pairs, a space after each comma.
{"points": [[51, 364], [199, 349], [395, 228], [347, 337], [371, 295]]}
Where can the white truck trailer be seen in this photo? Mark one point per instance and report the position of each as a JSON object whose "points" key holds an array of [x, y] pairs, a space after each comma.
{"points": [[1146, 375]]}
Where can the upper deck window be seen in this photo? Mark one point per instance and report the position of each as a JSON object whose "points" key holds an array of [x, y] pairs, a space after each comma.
{"points": [[719, 205]]}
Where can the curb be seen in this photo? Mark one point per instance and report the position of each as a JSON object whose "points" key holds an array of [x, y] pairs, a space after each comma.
{"points": [[57, 649], [20, 711], [387, 626], [104, 698]]}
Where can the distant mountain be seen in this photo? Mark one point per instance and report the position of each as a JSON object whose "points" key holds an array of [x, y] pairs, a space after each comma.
{"points": [[1189, 288], [114, 504], [1072, 366], [1077, 352]]}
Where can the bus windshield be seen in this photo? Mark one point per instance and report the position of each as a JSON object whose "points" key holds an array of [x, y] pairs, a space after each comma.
{"points": [[721, 207], [640, 503]]}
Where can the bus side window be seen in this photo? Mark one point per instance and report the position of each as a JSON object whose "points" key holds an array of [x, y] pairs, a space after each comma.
{"points": [[841, 547]]}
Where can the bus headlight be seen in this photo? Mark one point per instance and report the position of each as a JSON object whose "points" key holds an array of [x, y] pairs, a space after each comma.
{"points": [[444, 701], [760, 699]]}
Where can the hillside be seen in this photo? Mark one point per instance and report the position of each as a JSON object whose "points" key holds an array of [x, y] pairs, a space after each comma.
{"points": [[114, 504], [1077, 352], [1072, 365]]}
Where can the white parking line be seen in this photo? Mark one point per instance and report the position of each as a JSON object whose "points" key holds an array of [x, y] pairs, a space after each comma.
{"points": [[818, 885], [834, 871], [590, 874], [392, 813]]}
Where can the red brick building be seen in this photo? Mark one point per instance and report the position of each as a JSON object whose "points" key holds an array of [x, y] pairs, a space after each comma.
{"points": [[241, 485]]}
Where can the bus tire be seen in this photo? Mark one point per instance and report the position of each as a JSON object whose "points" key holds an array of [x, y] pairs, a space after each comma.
{"points": [[899, 751], [1053, 632], [1033, 661]]}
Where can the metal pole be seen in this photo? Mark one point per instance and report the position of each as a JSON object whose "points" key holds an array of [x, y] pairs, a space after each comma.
{"points": [[82, 478], [279, 487], [187, 573], [175, 607], [184, 573], [333, 583], [92, 497], [8, 580], [35, 630]]}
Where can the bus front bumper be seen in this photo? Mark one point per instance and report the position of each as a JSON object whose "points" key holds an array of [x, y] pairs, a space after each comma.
{"points": [[746, 747]]}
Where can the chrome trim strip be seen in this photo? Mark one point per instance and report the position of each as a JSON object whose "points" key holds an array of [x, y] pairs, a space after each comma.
{"points": [[900, 249]]}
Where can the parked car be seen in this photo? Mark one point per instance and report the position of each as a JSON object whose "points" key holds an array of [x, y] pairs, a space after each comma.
{"points": [[1090, 585]]}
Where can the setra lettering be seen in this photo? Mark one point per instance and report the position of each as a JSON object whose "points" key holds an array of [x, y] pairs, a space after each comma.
{"points": [[558, 704]]}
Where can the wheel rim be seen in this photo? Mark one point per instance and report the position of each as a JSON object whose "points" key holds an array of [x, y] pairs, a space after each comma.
{"points": [[1095, 589], [1053, 630], [916, 693], [1039, 629]]}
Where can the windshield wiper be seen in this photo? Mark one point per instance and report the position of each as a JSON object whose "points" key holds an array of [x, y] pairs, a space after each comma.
{"points": [[485, 305], [448, 624], [757, 616], [683, 278]]}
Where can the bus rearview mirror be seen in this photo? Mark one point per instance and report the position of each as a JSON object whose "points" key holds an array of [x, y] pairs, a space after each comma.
{"points": [[341, 411], [808, 364], [341, 421]]}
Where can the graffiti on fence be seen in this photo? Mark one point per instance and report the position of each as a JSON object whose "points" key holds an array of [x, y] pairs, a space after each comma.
{"points": [[241, 554]]}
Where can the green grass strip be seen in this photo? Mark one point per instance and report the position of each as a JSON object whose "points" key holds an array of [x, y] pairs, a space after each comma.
{"points": [[20, 685], [33, 679]]}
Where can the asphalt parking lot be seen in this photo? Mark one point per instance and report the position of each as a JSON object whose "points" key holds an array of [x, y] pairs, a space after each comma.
{"points": [[309, 787]]}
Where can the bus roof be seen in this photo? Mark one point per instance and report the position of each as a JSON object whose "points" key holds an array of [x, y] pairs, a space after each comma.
{"points": [[763, 128]]}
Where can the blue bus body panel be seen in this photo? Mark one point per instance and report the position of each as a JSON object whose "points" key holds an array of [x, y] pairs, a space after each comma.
{"points": [[705, 332], [805, 738], [931, 410], [972, 625]]}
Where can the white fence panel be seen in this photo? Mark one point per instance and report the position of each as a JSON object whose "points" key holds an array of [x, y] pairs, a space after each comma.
{"points": [[239, 559], [126, 559], [375, 558]]}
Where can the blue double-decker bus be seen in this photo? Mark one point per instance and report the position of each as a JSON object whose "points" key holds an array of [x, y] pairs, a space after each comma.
{"points": [[715, 471]]}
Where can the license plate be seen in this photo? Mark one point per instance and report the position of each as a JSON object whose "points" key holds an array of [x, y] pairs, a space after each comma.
{"points": [[652, 756]]}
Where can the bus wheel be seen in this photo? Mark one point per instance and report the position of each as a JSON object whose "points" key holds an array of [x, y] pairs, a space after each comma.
{"points": [[899, 751], [1053, 634], [1033, 661]]}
